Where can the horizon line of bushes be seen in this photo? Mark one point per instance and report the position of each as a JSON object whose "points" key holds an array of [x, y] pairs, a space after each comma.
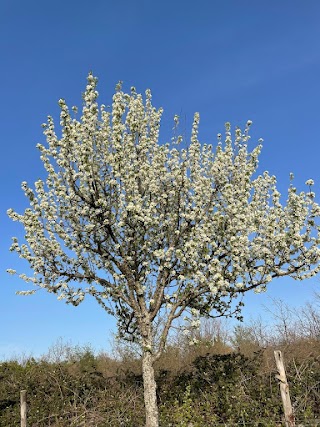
{"points": [[228, 378]]}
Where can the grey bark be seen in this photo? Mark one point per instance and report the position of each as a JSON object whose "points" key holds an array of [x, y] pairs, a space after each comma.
{"points": [[23, 408], [150, 387], [284, 389]]}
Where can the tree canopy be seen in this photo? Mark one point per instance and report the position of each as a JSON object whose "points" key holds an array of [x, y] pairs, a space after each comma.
{"points": [[154, 230]]}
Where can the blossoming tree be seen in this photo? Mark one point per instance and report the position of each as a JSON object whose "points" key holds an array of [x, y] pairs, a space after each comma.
{"points": [[156, 230]]}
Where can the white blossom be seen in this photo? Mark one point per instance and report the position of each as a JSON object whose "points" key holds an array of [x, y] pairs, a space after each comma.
{"points": [[193, 341], [129, 219], [310, 182]]}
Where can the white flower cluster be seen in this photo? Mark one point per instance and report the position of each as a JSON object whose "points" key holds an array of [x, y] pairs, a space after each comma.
{"points": [[310, 182], [141, 219]]}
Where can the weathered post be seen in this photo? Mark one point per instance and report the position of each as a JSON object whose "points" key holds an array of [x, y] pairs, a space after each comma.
{"points": [[284, 390], [23, 407]]}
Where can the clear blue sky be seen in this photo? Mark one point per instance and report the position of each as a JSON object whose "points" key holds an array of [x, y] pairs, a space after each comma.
{"points": [[230, 60]]}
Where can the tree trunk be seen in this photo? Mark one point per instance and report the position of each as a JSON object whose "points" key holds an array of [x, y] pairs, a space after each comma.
{"points": [[150, 386]]}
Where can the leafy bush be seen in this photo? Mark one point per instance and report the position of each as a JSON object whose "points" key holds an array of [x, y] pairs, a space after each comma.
{"points": [[77, 388]]}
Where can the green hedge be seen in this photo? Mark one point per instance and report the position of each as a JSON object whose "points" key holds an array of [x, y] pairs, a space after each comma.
{"points": [[212, 390]]}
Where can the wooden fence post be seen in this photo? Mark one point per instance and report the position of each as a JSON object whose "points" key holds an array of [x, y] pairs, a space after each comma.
{"points": [[23, 407], [284, 390]]}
